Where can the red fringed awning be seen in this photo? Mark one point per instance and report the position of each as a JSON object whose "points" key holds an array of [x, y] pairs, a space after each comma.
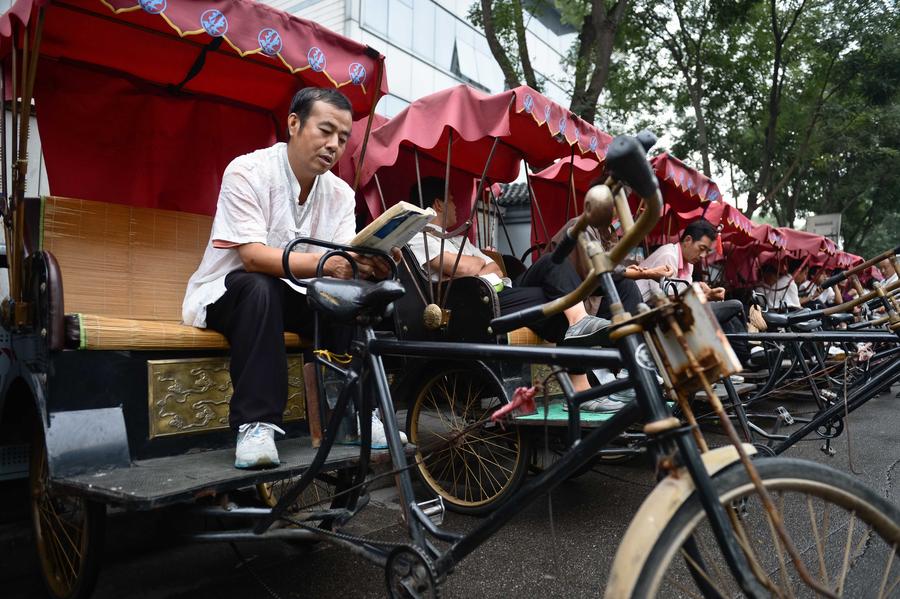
{"points": [[145, 102]]}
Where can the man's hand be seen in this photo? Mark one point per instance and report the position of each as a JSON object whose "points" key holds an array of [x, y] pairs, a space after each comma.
{"points": [[716, 294], [375, 267], [340, 268]]}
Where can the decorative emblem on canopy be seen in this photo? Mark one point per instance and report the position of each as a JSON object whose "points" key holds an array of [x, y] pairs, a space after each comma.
{"points": [[214, 23], [270, 41], [357, 73], [316, 59], [154, 7]]}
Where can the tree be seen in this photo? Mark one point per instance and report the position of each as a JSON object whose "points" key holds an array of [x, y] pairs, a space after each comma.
{"points": [[597, 23]]}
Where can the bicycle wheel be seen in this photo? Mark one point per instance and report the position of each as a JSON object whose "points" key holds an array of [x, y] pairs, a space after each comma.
{"points": [[330, 490], [462, 456], [846, 535], [68, 531]]}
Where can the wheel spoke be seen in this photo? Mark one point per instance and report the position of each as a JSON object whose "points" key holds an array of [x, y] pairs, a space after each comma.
{"points": [[820, 550], [497, 485], [887, 571], [843, 577]]}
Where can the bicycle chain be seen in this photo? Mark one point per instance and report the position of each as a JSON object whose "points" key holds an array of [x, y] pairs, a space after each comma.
{"points": [[341, 535]]}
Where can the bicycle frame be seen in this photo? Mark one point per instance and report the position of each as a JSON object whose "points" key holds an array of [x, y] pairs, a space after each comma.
{"points": [[676, 447]]}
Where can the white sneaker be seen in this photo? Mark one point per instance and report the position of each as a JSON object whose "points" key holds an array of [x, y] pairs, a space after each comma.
{"points": [[379, 438], [256, 446]]}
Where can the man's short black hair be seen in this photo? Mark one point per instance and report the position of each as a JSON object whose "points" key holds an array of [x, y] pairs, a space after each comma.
{"points": [[698, 229], [794, 264], [769, 268], [432, 189], [304, 99]]}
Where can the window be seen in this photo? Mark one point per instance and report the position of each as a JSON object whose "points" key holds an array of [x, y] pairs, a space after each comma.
{"points": [[376, 15], [400, 22], [468, 64], [423, 30], [444, 38], [390, 106]]}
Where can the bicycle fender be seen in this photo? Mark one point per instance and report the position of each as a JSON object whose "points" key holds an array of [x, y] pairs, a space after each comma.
{"points": [[655, 512]]}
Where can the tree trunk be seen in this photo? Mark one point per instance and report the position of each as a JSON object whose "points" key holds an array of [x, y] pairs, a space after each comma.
{"points": [[522, 43], [696, 92], [509, 73], [597, 38]]}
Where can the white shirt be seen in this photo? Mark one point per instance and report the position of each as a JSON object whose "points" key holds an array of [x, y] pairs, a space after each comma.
{"points": [[668, 254], [259, 203], [783, 292], [826, 297], [417, 246]]}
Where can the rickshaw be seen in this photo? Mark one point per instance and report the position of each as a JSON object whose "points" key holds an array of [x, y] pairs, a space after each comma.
{"points": [[140, 105], [473, 141]]}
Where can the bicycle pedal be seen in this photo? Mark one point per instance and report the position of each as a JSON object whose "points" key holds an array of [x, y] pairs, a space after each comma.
{"points": [[828, 450], [784, 415], [434, 509]]}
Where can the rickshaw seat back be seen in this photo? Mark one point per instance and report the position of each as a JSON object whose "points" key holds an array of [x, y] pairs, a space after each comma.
{"points": [[125, 270], [470, 296]]}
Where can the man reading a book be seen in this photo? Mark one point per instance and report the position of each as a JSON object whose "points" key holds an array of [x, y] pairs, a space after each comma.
{"points": [[542, 282], [268, 198]]}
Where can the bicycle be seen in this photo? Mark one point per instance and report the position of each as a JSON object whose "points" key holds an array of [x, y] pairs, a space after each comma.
{"points": [[707, 500]]}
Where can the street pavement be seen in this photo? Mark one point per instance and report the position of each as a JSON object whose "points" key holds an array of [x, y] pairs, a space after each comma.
{"points": [[561, 546]]}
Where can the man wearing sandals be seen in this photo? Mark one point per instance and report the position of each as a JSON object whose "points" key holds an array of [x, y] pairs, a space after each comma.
{"points": [[268, 198]]}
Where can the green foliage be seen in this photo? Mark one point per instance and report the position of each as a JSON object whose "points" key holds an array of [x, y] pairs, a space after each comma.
{"points": [[835, 146]]}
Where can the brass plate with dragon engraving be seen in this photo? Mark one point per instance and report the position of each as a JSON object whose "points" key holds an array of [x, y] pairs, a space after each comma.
{"points": [[192, 395]]}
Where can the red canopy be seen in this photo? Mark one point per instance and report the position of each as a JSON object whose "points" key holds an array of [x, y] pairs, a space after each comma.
{"points": [[145, 102], [527, 125], [687, 195], [551, 191]]}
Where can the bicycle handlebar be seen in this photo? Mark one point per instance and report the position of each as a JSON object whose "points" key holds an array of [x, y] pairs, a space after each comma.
{"points": [[841, 276], [335, 249], [627, 161]]}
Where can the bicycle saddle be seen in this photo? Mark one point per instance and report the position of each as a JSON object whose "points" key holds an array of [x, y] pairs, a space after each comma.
{"points": [[807, 326], [774, 319], [840, 318], [353, 302], [794, 319]]}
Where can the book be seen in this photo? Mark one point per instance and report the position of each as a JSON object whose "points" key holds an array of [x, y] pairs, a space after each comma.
{"points": [[395, 227]]}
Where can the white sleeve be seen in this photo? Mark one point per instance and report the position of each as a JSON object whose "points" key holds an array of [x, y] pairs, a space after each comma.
{"points": [[239, 215], [417, 247]]}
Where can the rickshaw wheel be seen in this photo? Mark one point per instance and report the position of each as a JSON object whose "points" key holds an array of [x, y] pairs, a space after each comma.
{"points": [[68, 531], [472, 463], [319, 495]]}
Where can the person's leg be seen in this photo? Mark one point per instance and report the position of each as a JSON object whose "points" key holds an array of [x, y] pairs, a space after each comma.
{"points": [[556, 280], [629, 295], [250, 315], [731, 317], [513, 299]]}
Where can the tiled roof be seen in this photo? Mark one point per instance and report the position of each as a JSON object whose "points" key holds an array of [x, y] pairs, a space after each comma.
{"points": [[514, 194]]}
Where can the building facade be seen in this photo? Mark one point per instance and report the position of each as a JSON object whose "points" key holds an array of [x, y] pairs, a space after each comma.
{"points": [[431, 45]]}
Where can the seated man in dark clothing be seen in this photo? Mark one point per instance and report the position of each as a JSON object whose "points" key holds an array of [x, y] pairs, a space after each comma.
{"points": [[624, 277], [542, 282]]}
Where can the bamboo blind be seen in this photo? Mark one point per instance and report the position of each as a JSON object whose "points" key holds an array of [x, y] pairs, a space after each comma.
{"points": [[121, 261]]}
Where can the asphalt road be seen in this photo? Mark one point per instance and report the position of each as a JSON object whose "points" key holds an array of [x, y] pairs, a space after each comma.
{"points": [[536, 555]]}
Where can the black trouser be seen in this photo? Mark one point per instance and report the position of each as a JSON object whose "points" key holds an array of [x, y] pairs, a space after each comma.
{"points": [[629, 295], [253, 315], [732, 319], [542, 282]]}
